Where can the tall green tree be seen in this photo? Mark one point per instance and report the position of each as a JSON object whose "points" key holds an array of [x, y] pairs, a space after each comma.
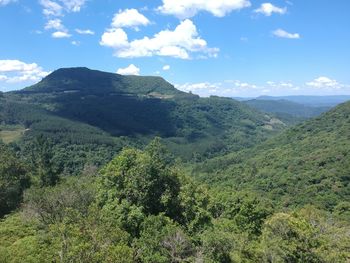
{"points": [[13, 180], [42, 161]]}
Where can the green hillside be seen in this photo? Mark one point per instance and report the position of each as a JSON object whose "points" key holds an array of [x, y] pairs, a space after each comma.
{"points": [[307, 164], [96, 113]]}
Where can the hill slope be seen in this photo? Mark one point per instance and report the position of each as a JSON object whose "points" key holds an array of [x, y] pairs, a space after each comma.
{"points": [[78, 105], [307, 164], [281, 107]]}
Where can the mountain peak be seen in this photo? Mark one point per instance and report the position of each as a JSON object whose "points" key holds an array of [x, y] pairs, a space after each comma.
{"points": [[82, 79]]}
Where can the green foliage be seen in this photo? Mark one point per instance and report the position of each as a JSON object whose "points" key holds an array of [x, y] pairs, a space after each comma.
{"points": [[307, 164], [142, 206], [305, 236], [51, 205], [42, 162], [143, 180], [161, 241], [13, 180]]}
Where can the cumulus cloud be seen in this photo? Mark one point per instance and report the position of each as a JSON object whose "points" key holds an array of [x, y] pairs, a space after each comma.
{"points": [[268, 9], [73, 5], [189, 8], [6, 2], [179, 43], [237, 88], [284, 34], [115, 38], [166, 67], [14, 71], [129, 18], [203, 89], [60, 34], [84, 31], [56, 8], [51, 8], [54, 24], [324, 83], [130, 70]]}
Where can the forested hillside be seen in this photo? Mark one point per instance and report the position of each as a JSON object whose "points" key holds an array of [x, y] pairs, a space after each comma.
{"points": [[82, 178], [307, 164], [141, 207], [94, 114]]}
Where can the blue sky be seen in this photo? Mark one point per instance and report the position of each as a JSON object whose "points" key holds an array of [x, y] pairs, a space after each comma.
{"points": [[209, 47]]}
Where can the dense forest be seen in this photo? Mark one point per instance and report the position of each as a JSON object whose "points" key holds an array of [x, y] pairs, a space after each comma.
{"points": [[99, 167]]}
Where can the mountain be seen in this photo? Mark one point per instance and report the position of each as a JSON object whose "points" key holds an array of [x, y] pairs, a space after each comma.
{"points": [[306, 164], [98, 113], [85, 81], [313, 101], [288, 111]]}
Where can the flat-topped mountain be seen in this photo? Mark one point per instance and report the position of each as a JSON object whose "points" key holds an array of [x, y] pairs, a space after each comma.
{"points": [[85, 80]]}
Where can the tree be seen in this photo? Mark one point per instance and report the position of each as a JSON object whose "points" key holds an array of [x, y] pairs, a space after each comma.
{"points": [[142, 179], [42, 161], [161, 241], [13, 180], [290, 238]]}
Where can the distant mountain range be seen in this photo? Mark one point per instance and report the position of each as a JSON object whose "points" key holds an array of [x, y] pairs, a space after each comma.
{"points": [[313, 101]]}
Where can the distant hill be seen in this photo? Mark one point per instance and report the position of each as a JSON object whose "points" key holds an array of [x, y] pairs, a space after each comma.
{"points": [[286, 110], [92, 110], [313, 101], [307, 164]]}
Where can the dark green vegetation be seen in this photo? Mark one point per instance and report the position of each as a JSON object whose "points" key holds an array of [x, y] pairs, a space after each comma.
{"points": [[250, 197], [142, 208], [307, 164], [90, 115]]}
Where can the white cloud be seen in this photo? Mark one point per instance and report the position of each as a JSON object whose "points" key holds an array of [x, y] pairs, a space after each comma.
{"points": [[115, 38], [51, 8], [324, 83], [189, 8], [178, 43], [268, 9], [129, 18], [85, 31], [6, 2], [130, 70], [284, 34], [166, 67], [54, 24], [73, 5], [281, 84], [236, 88], [203, 89], [14, 71], [56, 8], [60, 34]]}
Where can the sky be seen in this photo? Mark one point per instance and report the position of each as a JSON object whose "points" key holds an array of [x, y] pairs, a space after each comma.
{"points": [[231, 48]]}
